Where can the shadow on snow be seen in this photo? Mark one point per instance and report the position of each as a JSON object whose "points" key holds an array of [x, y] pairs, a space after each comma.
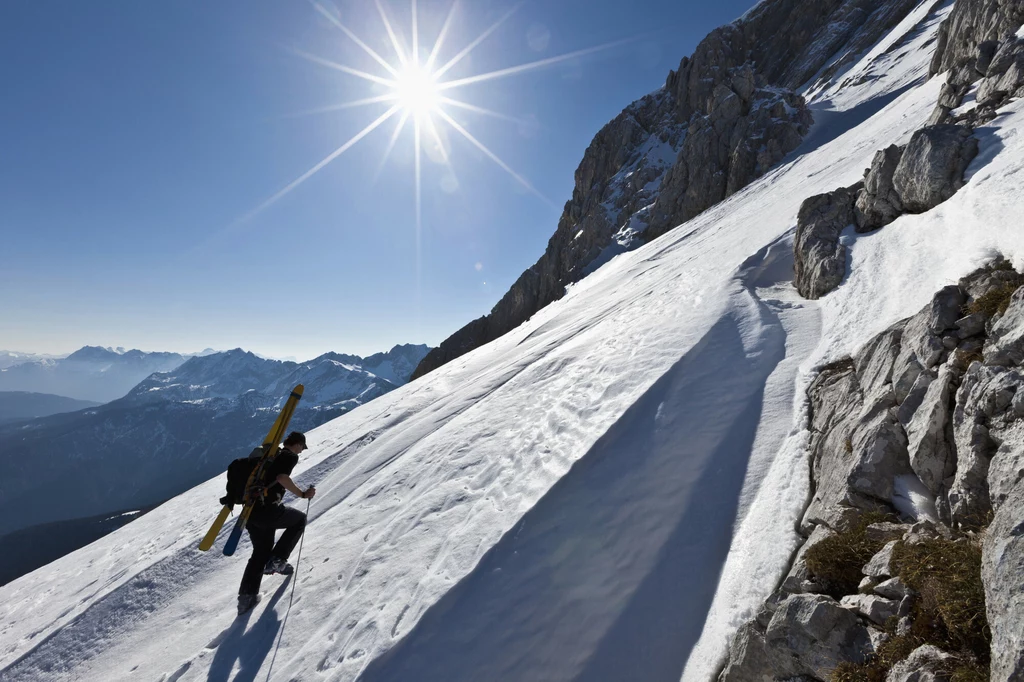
{"points": [[611, 574]]}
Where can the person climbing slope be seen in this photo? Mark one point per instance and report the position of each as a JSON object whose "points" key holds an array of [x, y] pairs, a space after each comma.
{"points": [[268, 516]]}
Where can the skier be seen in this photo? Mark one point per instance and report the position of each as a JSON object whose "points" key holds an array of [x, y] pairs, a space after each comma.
{"points": [[268, 516]]}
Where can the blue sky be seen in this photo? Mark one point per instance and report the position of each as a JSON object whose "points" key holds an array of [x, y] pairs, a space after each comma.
{"points": [[139, 137]]}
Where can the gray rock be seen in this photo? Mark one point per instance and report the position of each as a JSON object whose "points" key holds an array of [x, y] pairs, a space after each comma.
{"points": [[970, 325], [931, 456], [1006, 468], [867, 585], [921, 343], [873, 607], [886, 531], [986, 51], [1005, 344], [893, 588], [819, 633], [880, 565], [969, 25], [820, 258], [932, 167], [736, 132], [874, 362], [878, 638], [799, 578], [940, 116], [915, 396], [906, 373], [1002, 572], [880, 454], [968, 495], [878, 204], [1005, 74], [752, 660], [925, 664], [857, 451]]}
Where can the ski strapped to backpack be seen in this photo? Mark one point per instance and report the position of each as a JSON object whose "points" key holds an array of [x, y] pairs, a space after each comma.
{"points": [[250, 494]]}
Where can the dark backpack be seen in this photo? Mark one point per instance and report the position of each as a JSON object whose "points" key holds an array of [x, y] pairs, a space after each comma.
{"points": [[238, 475]]}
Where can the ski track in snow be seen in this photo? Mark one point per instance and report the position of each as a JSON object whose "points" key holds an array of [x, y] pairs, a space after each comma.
{"points": [[604, 493]]}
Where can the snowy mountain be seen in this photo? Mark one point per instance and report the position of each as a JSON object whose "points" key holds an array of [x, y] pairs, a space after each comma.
{"points": [[9, 358], [616, 488], [17, 405], [90, 373], [173, 430], [727, 115]]}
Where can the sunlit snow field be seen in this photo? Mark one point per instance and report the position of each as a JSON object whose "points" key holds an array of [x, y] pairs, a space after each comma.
{"points": [[604, 493]]}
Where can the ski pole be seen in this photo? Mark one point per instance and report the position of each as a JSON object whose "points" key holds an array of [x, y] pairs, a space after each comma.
{"points": [[298, 557]]}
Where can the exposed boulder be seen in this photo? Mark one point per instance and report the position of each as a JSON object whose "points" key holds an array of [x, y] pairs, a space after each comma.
{"points": [[878, 204], [970, 325], [925, 664], [1002, 570], [752, 660], [893, 588], [808, 635], [819, 633], [873, 607], [932, 167], [880, 565], [1004, 75], [820, 258]]}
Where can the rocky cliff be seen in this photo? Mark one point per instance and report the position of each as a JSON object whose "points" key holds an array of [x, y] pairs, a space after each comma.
{"points": [[727, 115], [913, 561], [912, 564]]}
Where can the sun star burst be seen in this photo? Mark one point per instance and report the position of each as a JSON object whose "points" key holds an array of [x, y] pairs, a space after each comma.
{"points": [[416, 90]]}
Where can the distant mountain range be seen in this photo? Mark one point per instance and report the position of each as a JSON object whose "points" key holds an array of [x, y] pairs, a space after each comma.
{"points": [[9, 358], [90, 373], [21, 405], [175, 429]]}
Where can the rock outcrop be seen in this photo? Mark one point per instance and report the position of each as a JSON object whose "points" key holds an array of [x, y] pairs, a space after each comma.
{"points": [[724, 118], [977, 41], [934, 405], [879, 204], [932, 166], [820, 257], [911, 179]]}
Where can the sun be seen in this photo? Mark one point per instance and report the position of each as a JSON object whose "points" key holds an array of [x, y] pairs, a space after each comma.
{"points": [[416, 90]]}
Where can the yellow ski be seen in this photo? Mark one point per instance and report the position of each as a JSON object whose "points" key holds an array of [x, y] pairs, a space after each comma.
{"points": [[211, 535], [269, 447]]}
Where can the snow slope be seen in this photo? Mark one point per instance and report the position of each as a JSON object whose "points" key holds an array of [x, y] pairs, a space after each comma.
{"points": [[602, 494]]}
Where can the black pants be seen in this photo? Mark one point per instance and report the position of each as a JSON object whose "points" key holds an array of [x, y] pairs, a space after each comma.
{"points": [[264, 520]]}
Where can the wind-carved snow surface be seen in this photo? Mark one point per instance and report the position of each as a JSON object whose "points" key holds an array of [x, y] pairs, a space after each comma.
{"points": [[604, 493]]}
